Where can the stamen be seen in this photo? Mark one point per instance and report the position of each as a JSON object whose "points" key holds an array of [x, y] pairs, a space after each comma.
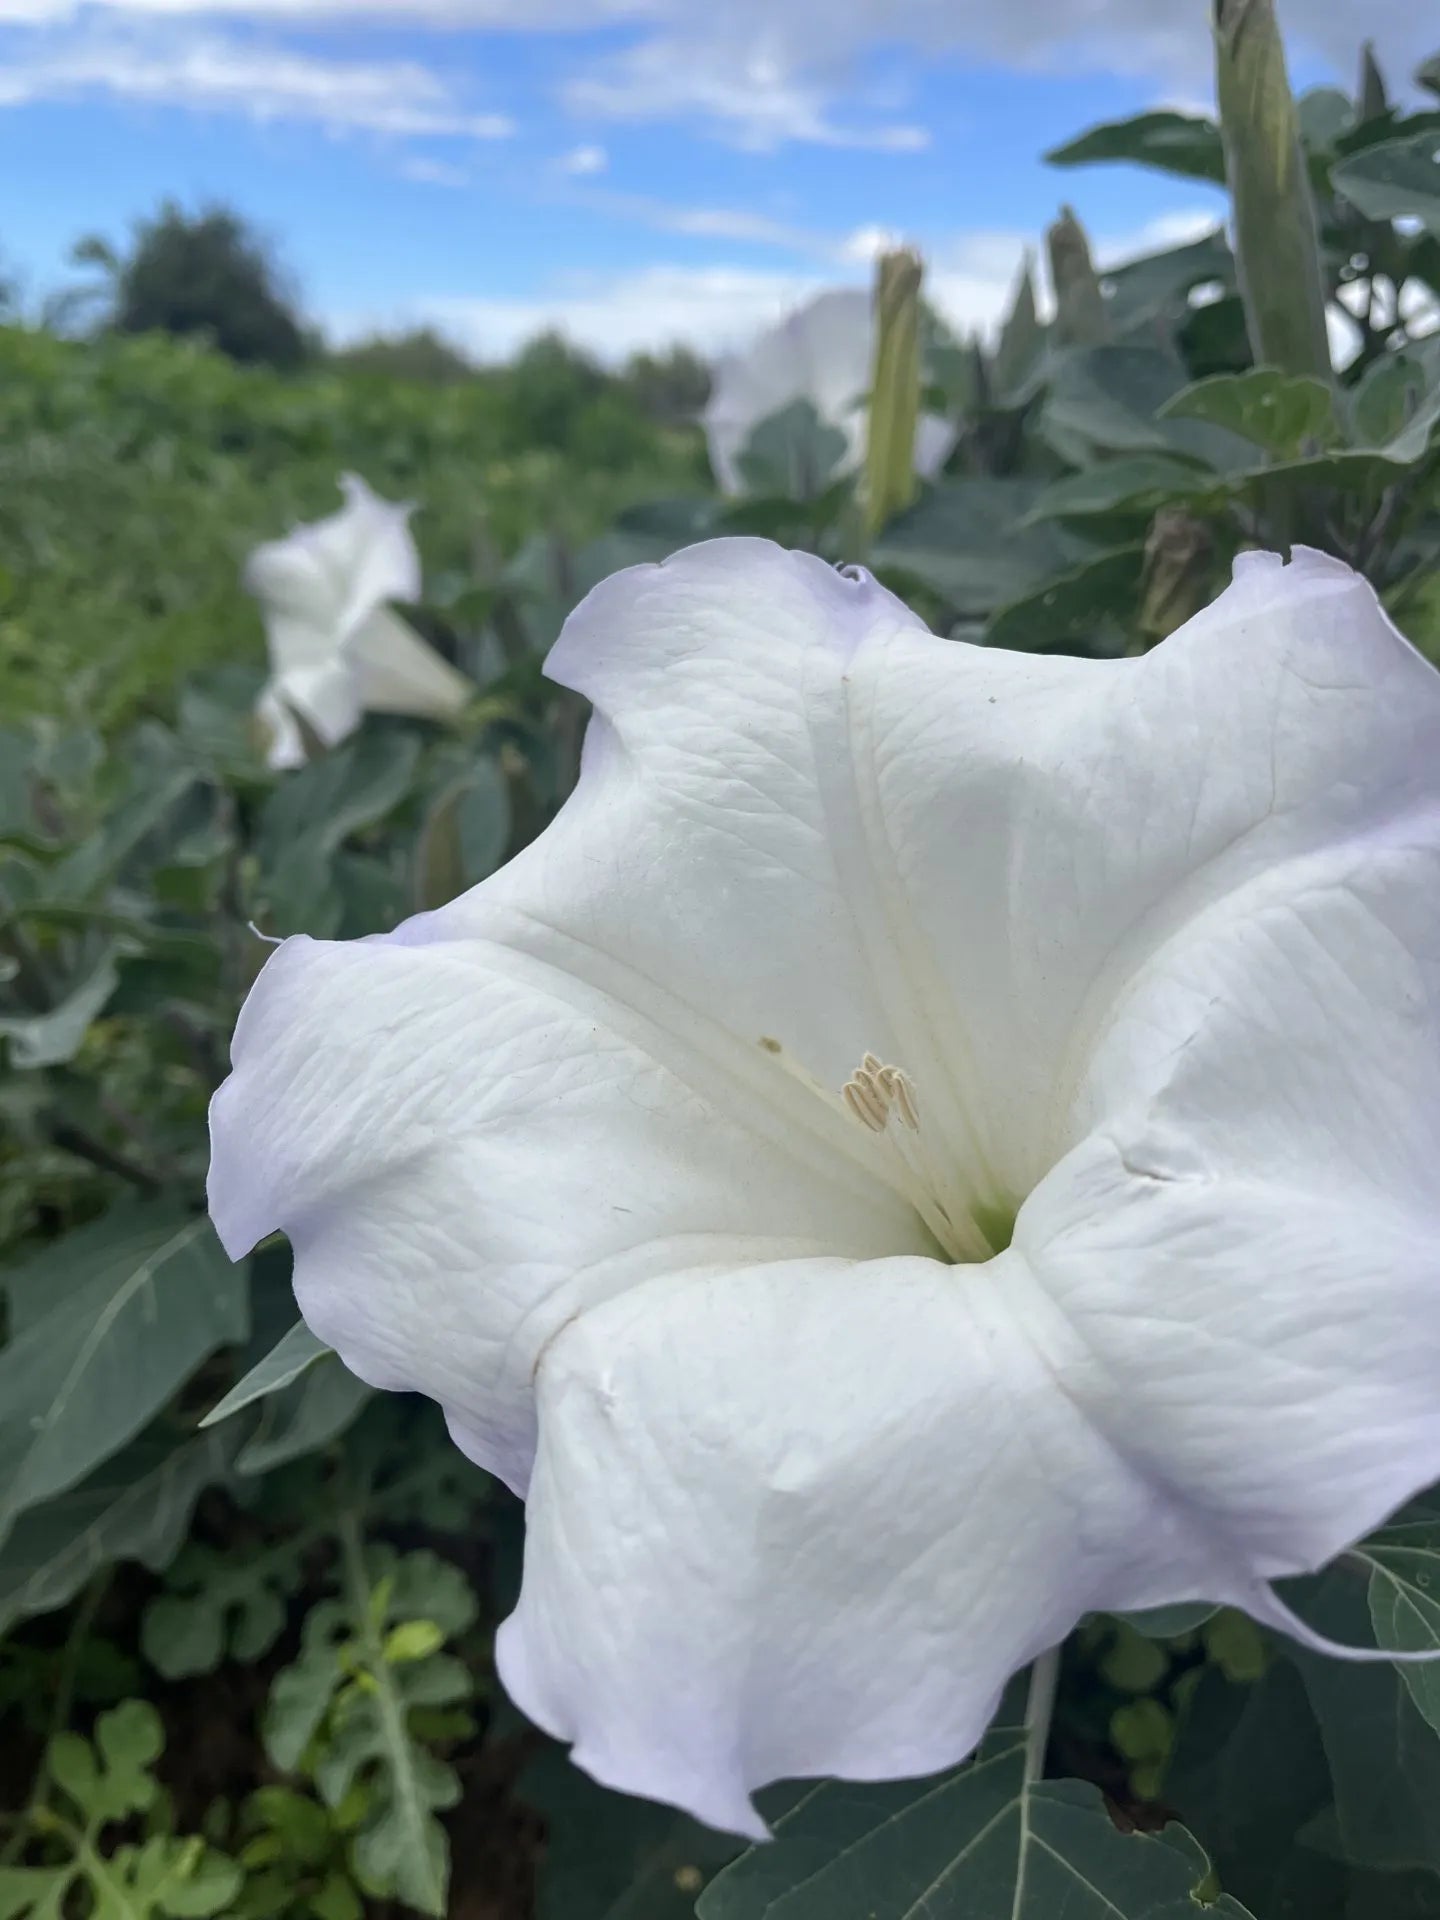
{"points": [[876, 1095]]}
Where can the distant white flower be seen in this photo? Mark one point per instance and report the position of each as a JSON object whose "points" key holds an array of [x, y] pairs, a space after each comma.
{"points": [[336, 648], [822, 353], [931, 1143]]}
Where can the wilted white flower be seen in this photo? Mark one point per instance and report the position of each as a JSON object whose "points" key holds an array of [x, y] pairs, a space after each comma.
{"points": [[822, 353], [337, 649], [932, 1142]]}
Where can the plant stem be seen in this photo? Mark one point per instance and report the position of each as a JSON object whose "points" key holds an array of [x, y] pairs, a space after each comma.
{"points": [[1039, 1709], [409, 1806], [75, 1643]]}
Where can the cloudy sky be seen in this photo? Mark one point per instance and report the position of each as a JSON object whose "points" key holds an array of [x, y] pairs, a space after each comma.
{"points": [[632, 170]]}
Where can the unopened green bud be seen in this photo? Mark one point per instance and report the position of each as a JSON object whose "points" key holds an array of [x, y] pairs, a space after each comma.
{"points": [[1277, 253], [1080, 316], [894, 388], [1371, 98]]}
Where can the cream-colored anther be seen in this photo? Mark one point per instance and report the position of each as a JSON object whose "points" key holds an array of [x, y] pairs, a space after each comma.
{"points": [[877, 1095]]}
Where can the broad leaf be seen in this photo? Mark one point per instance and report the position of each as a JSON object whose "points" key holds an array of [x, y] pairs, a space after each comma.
{"points": [[1156, 286], [285, 1362], [1384, 1757], [305, 1416], [1286, 415], [49, 1039], [1109, 400], [1087, 606], [965, 541], [1248, 1775], [793, 453], [1399, 179], [81, 1381], [608, 1857], [1138, 484], [976, 1844], [1177, 143], [1404, 1563], [136, 1507]]}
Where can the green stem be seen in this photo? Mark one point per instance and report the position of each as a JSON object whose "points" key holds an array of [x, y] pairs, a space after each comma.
{"points": [[388, 1703], [75, 1643], [1039, 1711]]}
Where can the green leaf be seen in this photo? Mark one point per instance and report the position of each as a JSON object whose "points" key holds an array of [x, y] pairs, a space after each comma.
{"points": [[1383, 1755], [1090, 604], [608, 1857], [218, 1606], [1177, 143], [1248, 1775], [1399, 179], [976, 1844], [966, 540], [305, 1416], [464, 836], [1109, 399], [135, 1507], [1138, 483], [313, 812], [113, 1778], [159, 777], [1288, 415], [792, 453], [1404, 1595], [1155, 287], [81, 1381], [51, 1038], [285, 1362]]}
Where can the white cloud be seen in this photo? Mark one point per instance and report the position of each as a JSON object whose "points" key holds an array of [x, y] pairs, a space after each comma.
{"points": [[1134, 36], [752, 93], [211, 74], [970, 279], [426, 171], [584, 160]]}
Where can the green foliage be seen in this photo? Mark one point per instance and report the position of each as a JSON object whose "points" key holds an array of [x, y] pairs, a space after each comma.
{"points": [[982, 1843], [137, 472], [358, 1710], [99, 1785], [206, 274]]}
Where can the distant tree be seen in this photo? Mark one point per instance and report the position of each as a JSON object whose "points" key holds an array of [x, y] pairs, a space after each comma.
{"points": [[205, 274], [550, 386], [670, 387], [421, 355]]}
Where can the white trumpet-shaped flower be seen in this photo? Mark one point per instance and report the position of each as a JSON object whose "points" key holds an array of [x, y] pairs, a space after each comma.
{"points": [[337, 648], [823, 353], [932, 1142]]}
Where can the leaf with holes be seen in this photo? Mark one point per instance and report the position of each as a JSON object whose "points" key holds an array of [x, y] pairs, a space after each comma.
{"points": [[977, 1844]]}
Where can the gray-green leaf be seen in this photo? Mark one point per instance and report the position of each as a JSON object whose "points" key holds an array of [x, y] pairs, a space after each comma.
{"points": [[81, 1381]]}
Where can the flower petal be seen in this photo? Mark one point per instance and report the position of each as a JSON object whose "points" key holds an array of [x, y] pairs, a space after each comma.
{"points": [[620, 1056], [821, 352], [1265, 1351], [1062, 834], [322, 580], [808, 1519], [398, 672]]}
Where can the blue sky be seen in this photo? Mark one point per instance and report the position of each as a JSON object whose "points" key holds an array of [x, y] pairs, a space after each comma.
{"points": [[633, 170]]}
